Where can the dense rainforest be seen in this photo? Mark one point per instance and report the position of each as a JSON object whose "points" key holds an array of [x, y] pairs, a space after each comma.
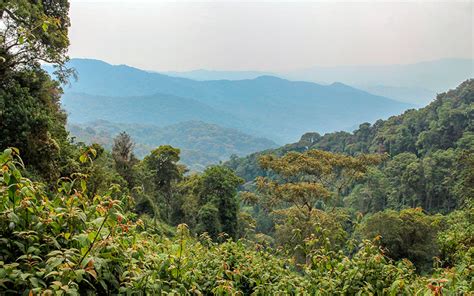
{"points": [[429, 152], [201, 143], [386, 210]]}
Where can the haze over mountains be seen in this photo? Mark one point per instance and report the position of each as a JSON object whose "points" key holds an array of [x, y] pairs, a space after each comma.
{"points": [[414, 83], [267, 106], [203, 74]]}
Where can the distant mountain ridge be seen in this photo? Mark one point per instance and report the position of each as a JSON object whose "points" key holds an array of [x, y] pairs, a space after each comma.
{"points": [[157, 109], [203, 74], [201, 143], [437, 75], [266, 106], [414, 83]]}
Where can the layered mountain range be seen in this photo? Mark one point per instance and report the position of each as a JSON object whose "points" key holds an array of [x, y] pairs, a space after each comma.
{"points": [[266, 106]]}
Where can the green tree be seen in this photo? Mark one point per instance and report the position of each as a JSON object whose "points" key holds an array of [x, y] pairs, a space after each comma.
{"points": [[97, 168], [440, 171], [308, 182], [161, 173], [405, 175], [31, 118], [208, 220], [407, 234], [124, 158], [217, 189], [371, 194], [312, 177], [456, 240], [464, 186], [33, 32]]}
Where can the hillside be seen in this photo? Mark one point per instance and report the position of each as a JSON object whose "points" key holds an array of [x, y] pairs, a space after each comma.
{"points": [[156, 109], [385, 210], [201, 144], [265, 106], [429, 141]]}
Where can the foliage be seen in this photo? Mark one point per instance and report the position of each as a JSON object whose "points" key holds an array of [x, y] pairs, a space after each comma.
{"points": [[124, 158], [215, 195], [67, 242], [31, 119], [97, 166], [50, 241], [305, 182], [34, 31], [430, 151], [101, 224], [201, 144], [456, 241], [30, 115], [368, 272], [323, 229], [160, 171], [409, 234]]}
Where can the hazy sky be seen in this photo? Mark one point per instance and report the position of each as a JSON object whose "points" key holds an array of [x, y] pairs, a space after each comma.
{"points": [[268, 36]]}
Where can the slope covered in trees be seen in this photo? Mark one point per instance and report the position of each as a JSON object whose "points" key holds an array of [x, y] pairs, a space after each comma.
{"points": [[427, 150], [83, 238], [76, 219], [202, 144]]}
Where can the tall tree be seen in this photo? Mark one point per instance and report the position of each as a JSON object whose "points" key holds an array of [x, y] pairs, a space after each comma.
{"points": [[122, 152], [312, 177], [31, 117], [217, 194], [162, 171], [306, 183]]}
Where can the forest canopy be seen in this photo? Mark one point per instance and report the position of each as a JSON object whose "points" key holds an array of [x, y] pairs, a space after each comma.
{"points": [[385, 210]]}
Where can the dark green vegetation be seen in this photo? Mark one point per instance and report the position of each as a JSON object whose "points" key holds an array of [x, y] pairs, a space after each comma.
{"points": [[76, 219], [429, 164], [30, 115], [267, 106], [201, 144]]}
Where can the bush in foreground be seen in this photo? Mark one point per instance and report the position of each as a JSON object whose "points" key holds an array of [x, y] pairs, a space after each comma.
{"points": [[67, 242]]}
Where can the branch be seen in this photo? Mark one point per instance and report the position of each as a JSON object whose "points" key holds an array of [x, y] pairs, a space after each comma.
{"points": [[93, 242]]}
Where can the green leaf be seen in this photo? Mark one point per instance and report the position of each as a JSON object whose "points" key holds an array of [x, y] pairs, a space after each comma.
{"points": [[53, 262], [17, 174], [34, 282], [83, 158], [91, 236], [6, 178], [98, 221], [83, 185]]}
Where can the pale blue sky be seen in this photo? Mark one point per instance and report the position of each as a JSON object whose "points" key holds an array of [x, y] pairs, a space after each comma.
{"points": [[270, 35]]}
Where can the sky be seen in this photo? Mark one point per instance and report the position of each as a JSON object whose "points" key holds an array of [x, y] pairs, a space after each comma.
{"points": [[269, 35]]}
